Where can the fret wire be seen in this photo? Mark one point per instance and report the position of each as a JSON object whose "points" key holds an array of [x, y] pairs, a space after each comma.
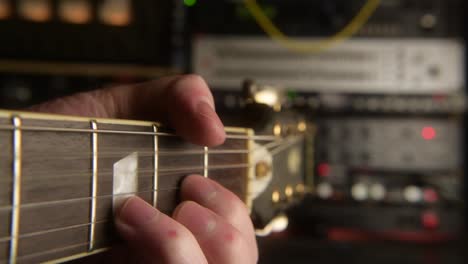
{"points": [[94, 164], [249, 175], [107, 131], [205, 162], [16, 197], [156, 165]]}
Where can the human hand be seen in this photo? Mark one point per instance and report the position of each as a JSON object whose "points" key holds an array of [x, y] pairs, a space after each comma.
{"points": [[211, 224]]}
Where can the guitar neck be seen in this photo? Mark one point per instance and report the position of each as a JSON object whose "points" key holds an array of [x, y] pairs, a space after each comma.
{"points": [[62, 176]]}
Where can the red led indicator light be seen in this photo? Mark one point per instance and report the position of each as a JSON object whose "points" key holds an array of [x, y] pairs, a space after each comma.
{"points": [[430, 220], [323, 169], [428, 133], [439, 97], [431, 196]]}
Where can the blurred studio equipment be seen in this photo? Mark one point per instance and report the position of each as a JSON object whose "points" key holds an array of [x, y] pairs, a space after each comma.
{"points": [[383, 84], [52, 48]]}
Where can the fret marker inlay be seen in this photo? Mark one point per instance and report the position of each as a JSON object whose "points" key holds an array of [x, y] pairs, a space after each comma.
{"points": [[94, 182], [16, 196], [125, 179]]}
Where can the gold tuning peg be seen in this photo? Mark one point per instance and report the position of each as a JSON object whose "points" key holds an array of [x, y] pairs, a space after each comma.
{"points": [[289, 192], [277, 224], [263, 94], [277, 130], [276, 197], [301, 126]]}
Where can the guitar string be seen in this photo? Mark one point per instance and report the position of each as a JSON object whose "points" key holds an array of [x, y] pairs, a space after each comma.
{"points": [[10, 207], [87, 198], [72, 200], [53, 230], [110, 152], [36, 233], [289, 142], [108, 175], [144, 152], [170, 151], [55, 250], [127, 132], [105, 173]]}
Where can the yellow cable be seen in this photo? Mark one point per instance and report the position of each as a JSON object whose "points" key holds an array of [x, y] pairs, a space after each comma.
{"points": [[311, 46]]}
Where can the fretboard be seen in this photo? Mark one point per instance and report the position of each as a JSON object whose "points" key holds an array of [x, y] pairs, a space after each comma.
{"points": [[59, 177]]}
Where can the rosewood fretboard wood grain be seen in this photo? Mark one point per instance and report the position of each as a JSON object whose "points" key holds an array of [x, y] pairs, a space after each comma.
{"points": [[65, 194]]}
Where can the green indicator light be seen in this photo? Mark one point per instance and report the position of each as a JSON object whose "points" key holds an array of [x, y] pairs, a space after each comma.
{"points": [[190, 2], [291, 95]]}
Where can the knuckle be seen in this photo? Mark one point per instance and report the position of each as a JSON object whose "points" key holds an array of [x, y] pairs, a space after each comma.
{"points": [[235, 207], [233, 240], [234, 243], [180, 208]]}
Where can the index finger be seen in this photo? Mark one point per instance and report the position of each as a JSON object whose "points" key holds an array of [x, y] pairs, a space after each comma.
{"points": [[184, 102]]}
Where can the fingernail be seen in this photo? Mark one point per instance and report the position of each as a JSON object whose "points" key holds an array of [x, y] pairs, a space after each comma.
{"points": [[205, 108], [197, 219], [136, 212], [210, 192], [207, 191], [208, 101]]}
